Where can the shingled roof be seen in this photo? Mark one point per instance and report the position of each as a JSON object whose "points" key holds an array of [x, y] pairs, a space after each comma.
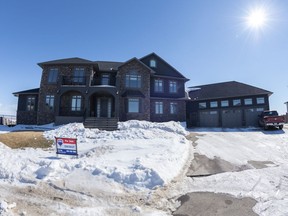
{"points": [[75, 60], [108, 65], [224, 90], [30, 91]]}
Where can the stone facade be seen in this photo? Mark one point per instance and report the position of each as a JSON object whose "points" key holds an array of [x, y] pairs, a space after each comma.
{"points": [[24, 116], [145, 73], [104, 92], [46, 115]]}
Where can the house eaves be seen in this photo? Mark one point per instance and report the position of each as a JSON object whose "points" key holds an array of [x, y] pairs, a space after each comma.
{"points": [[27, 92], [225, 90], [72, 61]]}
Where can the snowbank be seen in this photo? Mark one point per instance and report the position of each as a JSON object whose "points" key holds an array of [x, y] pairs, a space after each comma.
{"points": [[139, 155]]}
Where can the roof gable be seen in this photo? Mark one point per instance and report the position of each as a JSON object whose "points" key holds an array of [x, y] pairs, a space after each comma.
{"points": [[162, 67], [225, 90], [138, 61]]}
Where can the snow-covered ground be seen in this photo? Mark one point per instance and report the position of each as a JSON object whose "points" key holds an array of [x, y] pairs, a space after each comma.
{"points": [[131, 161], [140, 170], [268, 186]]}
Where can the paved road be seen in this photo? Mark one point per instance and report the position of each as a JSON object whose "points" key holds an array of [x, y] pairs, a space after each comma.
{"points": [[211, 204]]}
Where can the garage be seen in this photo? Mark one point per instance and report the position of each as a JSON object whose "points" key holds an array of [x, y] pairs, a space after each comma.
{"points": [[232, 118], [251, 116], [209, 119]]}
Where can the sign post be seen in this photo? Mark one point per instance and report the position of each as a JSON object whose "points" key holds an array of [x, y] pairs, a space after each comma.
{"points": [[66, 146]]}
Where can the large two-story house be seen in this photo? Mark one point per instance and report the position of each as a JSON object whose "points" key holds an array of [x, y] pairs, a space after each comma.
{"points": [[99, 92]]}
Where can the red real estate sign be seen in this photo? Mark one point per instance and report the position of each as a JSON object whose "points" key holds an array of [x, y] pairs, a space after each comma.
{"points": [[67, 146]]}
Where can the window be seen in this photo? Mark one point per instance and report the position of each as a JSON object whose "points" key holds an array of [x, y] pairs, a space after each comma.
{"points": [[237, 102], [152, 63], [159, 107], [158, 85], [260, 109], [224, 103], [105, 79], [173, 108], [260, 100], [133, 105], [213, 104], [31, 103], [52, 75], [172, 86], [79, 75], [133, 80], [202, 105], [76, 103], [50, 102], [248, 101]]}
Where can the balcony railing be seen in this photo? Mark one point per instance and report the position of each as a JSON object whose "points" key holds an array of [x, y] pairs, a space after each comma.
{"points": [[72, 111], [73, 80]]}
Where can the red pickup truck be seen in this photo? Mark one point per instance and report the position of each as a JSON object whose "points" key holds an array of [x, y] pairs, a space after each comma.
{"points": [[271, 119]]}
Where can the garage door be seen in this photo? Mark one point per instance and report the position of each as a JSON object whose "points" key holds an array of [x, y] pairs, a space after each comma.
{"points": [[232, 118], [251, 116], [209, 119]]}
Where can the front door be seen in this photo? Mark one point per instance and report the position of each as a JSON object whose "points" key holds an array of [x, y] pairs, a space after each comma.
{"points": [[103, 108]]}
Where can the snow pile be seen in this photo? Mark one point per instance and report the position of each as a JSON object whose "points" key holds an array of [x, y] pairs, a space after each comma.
{"points": [[5, 208], [140, 155]]}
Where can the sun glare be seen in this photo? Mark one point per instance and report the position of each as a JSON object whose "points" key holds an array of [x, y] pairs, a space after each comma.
{"points": [[257, 21], [257, 18]]}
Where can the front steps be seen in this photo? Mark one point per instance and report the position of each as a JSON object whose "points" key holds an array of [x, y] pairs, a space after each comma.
{"points": [[108, 124]]}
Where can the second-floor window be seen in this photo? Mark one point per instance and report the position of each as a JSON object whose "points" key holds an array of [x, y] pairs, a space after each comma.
{"points": [[158, 85], [31, 100], [133, 80], [260, 100], [202, 105], [236, 102], [224, 103], [52, 75], [76, 103], [105, 79], [50, 102], [172, 86], [159, 107], [79, 75], [248, 101], [213, 104]]}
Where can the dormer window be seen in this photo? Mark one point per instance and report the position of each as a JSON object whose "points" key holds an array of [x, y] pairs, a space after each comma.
{"points": [[153, 63]]}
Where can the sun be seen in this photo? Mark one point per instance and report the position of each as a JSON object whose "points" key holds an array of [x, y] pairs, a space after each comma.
{"points": [[257, 18]]}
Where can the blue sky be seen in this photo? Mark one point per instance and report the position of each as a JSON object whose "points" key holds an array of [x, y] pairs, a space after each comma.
{"points": [[206, 40]]}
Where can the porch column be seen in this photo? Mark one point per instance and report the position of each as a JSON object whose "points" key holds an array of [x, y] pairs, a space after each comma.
{"points": [[87, 105]]}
